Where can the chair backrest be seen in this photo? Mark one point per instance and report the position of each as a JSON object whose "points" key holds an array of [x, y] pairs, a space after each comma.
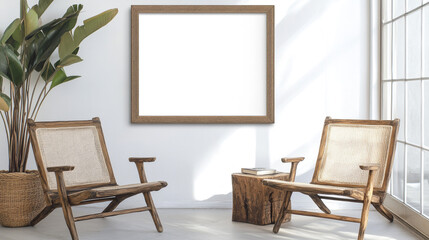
{"points": [[346, 144], [72, 143]]}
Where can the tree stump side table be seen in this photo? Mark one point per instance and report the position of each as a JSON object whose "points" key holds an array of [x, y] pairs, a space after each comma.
{"points": [[254, 202]]}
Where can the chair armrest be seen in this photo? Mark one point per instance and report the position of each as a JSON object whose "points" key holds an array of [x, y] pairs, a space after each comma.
{"points": [[370, 167], [60, 168], [292, 160], [139, 161], [142, 159]]}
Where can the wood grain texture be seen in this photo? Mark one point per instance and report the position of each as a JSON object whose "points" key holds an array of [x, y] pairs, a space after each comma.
{"points": [[142, 159], [318, 201], [253, 202], [270, 28], [113, 204], [383, 211], [324, 215], [369, 167], [309, 189], [286, 204], [293, 159], [148, 197], [42, 215], [60, 168], [366, 204], [110, 214], [68, 214]]}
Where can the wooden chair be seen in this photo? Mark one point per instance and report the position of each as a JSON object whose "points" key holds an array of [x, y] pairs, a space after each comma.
{"points": [[354, 162], [75, 170]]}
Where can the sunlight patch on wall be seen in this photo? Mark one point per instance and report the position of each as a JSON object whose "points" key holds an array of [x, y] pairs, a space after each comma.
{"points": [[214, 175]]}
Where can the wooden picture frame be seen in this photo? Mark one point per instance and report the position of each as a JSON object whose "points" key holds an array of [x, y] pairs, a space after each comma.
{"points": [[202, 64]]}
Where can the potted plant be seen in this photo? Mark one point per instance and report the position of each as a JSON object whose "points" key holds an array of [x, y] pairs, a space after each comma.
{"points": [[28, 73]]}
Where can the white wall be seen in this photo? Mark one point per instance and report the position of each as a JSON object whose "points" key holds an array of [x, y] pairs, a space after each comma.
{"points": [[321, 69]]}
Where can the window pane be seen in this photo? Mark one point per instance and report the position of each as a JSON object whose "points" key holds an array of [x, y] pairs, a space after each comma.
{"points": [[411, 4], [398, 174], [387, 10], [387, 51], [425, 41], [426, 183], [413, 112], [398, 106], [413, 42], [398, 7], [426, 113], [399, 49], [386, 100], [413, 176]]}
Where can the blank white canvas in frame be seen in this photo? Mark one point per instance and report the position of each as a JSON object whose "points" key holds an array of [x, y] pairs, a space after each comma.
{"points": [[202, 64]]}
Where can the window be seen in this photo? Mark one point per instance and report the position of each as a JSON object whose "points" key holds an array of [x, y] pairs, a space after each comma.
{"points": [[405, 95]]}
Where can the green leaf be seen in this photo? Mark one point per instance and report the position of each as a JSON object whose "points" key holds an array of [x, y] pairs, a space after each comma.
{"points": [[69, 60], [3, 62], [69, 44], [42, 6], [18, 34], [10, 66], [44, 40], [72, 9], [14, 44], [60, 77], [76, 51], [10, 30], [91, 25], [44, 28], [47, 72], [31, 21], [69, 78], [4, 102], [66, 45]]}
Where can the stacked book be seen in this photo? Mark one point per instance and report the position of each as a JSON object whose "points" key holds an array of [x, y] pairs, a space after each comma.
{"points": [[258, 171]]}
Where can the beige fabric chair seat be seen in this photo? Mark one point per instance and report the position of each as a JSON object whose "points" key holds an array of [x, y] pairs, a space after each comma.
{"points": [[310, 188]]}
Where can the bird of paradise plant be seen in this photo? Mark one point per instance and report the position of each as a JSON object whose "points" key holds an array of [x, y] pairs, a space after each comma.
{"points": [[29, 72]]}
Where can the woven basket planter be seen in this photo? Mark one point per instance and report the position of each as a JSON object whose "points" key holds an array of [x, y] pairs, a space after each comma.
{"points": [[21, 198]]}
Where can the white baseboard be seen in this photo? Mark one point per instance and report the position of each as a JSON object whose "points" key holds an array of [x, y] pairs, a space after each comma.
{"points": [[408, 216]]}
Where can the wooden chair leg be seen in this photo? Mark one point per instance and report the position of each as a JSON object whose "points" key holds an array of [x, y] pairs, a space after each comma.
{"points": [[383, 211], [44, 213], [68, 214], [113, 204], [148, 197], [283, 213], [153, 212], [366, 204], [316, 199]]}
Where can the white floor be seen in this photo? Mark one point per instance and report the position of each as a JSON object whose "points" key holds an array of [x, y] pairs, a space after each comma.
{"points": [[205, 224]]}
